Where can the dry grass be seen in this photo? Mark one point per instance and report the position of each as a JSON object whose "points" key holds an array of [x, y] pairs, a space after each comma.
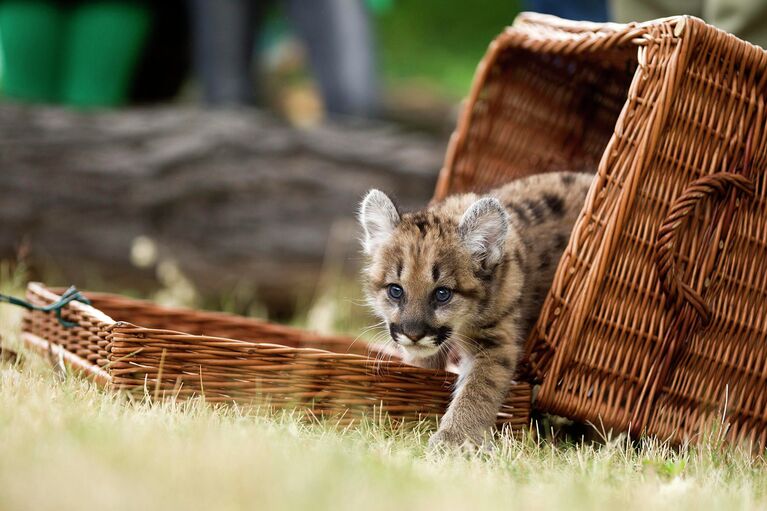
{"points": [[65, 444]]}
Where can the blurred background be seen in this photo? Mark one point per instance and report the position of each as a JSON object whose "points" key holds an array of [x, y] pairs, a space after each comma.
{"points": [[212, 153], [305, 60]]}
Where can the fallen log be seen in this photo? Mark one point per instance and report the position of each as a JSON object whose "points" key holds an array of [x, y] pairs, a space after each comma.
{"points": [[232, 198]]}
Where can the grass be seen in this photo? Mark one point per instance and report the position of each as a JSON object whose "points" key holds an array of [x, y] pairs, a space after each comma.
{"points": [[66, 444]]}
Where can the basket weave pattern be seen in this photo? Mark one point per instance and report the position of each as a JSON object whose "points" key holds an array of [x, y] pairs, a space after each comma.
{"points": [[657, 317], [225, 358]]}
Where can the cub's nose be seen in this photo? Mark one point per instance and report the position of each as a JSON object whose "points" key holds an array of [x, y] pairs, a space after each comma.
{"points": [[414, 331]]}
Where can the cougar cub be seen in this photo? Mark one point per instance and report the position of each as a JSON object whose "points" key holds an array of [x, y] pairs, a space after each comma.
{"points": [[468, 275]]}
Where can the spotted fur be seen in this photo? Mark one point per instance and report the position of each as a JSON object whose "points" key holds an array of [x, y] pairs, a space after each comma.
{"points": [[495, 255]]}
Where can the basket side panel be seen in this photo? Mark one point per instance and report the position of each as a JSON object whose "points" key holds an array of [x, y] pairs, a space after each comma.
{"points": [[718, 385], [536, 108], [326, 384]]}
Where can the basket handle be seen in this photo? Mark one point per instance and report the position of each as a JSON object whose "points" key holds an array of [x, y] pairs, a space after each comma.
{"points": [[717, 184]]}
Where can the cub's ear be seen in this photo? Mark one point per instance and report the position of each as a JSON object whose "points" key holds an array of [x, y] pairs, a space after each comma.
{"points": [[378, 217], [483, 229]]}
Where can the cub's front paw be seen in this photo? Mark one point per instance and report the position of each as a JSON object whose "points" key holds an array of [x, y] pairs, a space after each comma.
{"points": [[453, 438]]}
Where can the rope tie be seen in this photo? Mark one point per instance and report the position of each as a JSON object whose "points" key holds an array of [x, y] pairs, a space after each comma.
{"points": [[70, 295]]}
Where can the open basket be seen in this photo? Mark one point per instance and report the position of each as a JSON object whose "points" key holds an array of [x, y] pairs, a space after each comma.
{"points": [[656, 320], [175, 352]]}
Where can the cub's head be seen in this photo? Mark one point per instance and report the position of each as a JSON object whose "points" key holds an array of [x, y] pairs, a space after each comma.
{"points": [[428, 271]]}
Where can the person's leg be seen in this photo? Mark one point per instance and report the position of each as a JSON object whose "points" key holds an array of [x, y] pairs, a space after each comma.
{"points": [[164, 63], [31, 40], [339, 41], [224, 37], [746, 19], [624, 11], [103, 43]]}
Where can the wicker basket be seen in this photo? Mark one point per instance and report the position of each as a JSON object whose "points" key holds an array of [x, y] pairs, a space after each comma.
{"points": [[226, 358], [657, 317]]}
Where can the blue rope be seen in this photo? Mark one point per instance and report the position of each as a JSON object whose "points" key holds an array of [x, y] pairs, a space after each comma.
{"points": [[70, 295]]}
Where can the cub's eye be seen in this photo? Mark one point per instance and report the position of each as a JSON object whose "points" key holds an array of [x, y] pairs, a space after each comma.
{"points": [[395, 291], [442, 294]]}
